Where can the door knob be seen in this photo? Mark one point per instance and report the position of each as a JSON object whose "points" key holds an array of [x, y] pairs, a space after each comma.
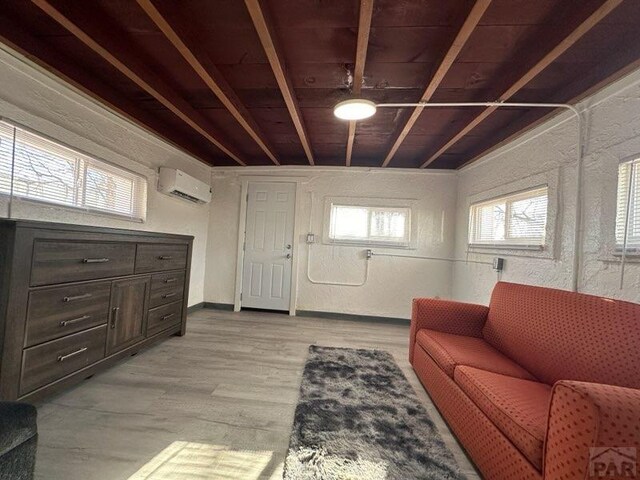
{"points": [[288, 255]]}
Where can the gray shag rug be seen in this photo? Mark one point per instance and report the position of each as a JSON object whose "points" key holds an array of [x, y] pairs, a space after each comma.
{"points": [[358, 418]]}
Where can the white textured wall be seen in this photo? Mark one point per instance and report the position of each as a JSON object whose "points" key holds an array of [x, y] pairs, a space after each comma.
{"points": [[392, 282], [613, 134], [34, 99]]}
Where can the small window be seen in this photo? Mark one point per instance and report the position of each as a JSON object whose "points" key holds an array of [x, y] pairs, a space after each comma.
{"points": [[517, 220], [369, 225], [36, 168], [628, 209]]}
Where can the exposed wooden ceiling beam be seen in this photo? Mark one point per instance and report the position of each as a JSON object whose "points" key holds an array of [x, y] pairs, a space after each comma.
{"points": [[265, 30], [57, 63], [97, 40], [456, 47], [364, 29], [209, 73], [607, 7]]}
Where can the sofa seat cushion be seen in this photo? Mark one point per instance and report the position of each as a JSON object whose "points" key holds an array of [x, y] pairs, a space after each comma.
{"points": [[450, 350], [518, 407]]}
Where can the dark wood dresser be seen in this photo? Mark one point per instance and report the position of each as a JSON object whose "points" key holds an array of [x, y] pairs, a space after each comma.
{"points": [[74, 299]]}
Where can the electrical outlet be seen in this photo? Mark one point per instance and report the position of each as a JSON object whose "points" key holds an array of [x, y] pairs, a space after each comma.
{"points": [[498, 264], [311, 238], [369, 254]]}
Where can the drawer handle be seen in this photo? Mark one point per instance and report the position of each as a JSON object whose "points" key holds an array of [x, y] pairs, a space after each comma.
{"points": [[167, 317], [165, 257], [64, 323], [95, 260], [77, 297], [62, 358], [168, 295], [171, 280], [114, 316]]}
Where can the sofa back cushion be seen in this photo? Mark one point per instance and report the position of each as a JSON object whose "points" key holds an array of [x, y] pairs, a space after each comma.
{"points": [[561, 335]]}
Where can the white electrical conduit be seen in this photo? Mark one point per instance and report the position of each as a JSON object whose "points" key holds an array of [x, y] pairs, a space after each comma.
{"points": [[430, 258], [341, 284], [577, 237]]}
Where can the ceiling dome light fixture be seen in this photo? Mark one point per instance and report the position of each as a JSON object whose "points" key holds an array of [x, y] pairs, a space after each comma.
{"points": [[354, 109]]}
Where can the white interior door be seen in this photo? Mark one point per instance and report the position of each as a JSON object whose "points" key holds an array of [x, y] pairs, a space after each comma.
{"points": [[266, 276]]}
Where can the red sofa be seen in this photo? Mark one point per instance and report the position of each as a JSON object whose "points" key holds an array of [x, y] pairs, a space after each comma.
{"points": [[531, 382]]}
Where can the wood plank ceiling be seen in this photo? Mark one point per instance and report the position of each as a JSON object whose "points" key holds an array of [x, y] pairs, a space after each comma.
{"points": [[255, 82]]}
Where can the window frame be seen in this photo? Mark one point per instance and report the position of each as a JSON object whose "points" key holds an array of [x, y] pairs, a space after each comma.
{"points": [[633, 247], [522, 243], [371, 205], [140, 182]]}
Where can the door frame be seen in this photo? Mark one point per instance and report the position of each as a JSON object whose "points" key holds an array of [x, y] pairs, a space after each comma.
{"points": [[242, 226]]}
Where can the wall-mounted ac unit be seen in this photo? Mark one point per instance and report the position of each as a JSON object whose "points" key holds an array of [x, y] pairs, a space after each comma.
{"points": [[176, 182]]}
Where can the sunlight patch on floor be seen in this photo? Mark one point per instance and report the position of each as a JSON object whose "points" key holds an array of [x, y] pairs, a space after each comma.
{"points": [[190, 461]]}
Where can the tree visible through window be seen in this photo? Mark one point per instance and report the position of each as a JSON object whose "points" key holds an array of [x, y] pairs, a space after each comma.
{"points": [[33, 167]]}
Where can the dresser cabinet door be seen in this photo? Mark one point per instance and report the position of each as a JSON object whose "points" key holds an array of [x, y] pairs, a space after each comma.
{"points": [[127, 322]]}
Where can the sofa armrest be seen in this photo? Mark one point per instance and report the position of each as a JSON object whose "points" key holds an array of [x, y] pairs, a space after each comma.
{"points": [[446, 316], [592, 429]]}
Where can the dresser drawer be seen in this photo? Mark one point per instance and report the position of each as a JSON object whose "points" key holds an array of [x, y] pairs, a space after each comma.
{"points": [[59, 311], [68, 261], [166, 288], [53, 360], [161, 318], [156, 257]]}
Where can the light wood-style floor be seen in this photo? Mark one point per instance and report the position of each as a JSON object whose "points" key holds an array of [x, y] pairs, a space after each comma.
{"points": [[228, 388]]}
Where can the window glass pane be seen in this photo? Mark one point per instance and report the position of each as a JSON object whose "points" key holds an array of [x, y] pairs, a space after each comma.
{"points": [[43, 172], [528, 217], [389, 224], [349, 222], [106, 191], [490, 223]]}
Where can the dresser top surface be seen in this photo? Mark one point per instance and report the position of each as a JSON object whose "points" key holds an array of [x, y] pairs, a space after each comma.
{"points": [[70, 227]]}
